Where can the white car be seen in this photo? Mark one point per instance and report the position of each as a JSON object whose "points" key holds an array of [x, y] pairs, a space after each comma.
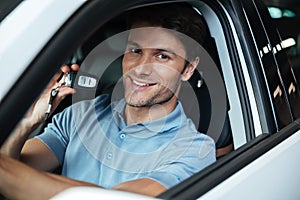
{"points": [[250, 100]]}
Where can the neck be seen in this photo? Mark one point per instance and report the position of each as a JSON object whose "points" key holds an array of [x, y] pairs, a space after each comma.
{"points": [[146, 114]]}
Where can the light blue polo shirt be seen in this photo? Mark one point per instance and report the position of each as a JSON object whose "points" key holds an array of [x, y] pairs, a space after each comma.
{"points": [[93, 144]]}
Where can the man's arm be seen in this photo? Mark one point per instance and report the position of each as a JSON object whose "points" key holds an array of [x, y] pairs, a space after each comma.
{"points": [[37, 155], [13, 146], [14, 143], [19, 181], [32, 152], [143, 186]]}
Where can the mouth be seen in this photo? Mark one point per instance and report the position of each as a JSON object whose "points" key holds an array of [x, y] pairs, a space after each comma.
{"points": [[142, 84]]}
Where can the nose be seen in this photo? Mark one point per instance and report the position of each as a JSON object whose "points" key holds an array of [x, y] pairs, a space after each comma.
{"points": [[144, 65]]}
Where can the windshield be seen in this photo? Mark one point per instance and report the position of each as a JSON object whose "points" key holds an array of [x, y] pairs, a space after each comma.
{"points": [[6, 6]]}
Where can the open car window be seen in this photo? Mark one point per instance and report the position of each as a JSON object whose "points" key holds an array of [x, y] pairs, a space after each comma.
{"points": [[207, 98], [230, 97], [204, 97]]}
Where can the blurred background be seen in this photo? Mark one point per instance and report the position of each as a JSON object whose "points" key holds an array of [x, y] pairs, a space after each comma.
{"points": [[286, 16]]}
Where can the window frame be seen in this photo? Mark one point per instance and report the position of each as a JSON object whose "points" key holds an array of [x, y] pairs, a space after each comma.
{"points": [[207, 179]]}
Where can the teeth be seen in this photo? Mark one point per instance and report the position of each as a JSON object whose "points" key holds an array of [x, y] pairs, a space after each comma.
{"points": [[140, 84]]}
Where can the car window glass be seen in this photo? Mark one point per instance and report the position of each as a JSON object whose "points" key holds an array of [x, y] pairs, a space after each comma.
{"points": [[270, 69], [286, 19]]}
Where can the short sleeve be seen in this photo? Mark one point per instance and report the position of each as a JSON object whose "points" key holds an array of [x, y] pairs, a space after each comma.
{"points": [[56, 134], [195, 159], [62, 128]]}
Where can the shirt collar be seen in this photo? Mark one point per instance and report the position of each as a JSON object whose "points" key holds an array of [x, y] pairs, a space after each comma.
{"points": [[148, 129]]}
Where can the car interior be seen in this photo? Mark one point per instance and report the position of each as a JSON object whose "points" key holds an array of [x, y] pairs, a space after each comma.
{"points": [[108, 43]]}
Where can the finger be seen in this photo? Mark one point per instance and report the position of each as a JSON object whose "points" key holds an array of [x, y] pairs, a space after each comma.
{"points": [[60, 77], [75, 67], [64, 91], [65, 69], [62, 94]]}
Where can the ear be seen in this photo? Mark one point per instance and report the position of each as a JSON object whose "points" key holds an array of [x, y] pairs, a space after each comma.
{"points": [[189, 70]]}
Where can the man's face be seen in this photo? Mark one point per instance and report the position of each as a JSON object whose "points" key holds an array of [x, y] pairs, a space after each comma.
{"points": [[152, 66]]}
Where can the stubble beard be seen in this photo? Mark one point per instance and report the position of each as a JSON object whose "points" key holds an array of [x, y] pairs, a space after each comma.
{"points": [[159, 97]]}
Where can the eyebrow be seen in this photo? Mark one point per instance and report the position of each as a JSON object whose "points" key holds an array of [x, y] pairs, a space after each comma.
{"points": [[133, 43], [158, 49]]}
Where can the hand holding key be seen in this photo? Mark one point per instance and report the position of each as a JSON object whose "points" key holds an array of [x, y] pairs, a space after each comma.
{"points": [[54, 93]]}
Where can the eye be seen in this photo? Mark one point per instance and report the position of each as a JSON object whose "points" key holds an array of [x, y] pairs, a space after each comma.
{"points": [[162, 56], [135, 50]]}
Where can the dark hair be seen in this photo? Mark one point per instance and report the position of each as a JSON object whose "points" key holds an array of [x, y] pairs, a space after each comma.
{"points": [[179, 17]]}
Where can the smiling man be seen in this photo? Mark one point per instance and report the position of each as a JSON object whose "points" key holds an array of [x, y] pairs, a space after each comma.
{"points": [[153, 69], [143, 143]]}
